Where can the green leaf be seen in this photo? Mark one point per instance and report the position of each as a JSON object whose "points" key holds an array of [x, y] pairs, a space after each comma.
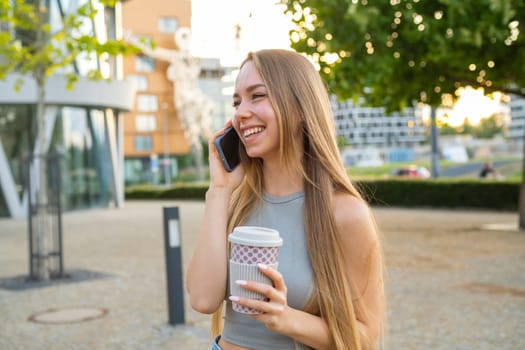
{"points": [[396, 52], [37, 51]]}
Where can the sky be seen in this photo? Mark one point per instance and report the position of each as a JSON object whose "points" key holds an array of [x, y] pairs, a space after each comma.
{"points": [[474, 106], [263, 25]]}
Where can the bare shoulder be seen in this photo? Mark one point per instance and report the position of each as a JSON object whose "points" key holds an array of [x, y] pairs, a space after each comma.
{"points": [[354, 222]]}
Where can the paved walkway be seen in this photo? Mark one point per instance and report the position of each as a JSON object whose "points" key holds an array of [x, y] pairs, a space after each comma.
{"points": [[456, 280]]}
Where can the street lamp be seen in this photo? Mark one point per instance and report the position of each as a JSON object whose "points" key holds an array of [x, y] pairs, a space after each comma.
{"points": [[166, 161]]}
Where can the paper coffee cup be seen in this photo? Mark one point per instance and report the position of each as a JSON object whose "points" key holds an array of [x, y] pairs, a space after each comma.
{"points": [[250, 246]]}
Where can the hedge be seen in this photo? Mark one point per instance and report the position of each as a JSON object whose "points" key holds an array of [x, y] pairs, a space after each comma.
{"points": [[440, 193], [173, 192], [468, 194]]}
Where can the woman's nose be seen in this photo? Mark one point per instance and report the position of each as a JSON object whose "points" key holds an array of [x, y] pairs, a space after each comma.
{"points": [[242, 111]]}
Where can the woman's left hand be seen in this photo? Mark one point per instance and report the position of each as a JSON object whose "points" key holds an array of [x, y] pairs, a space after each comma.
{"points": [[274, 308]]}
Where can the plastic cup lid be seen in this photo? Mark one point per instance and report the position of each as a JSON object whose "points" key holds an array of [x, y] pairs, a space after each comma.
{"points": [[255, 236]]}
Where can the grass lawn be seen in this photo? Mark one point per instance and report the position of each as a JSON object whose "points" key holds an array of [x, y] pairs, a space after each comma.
{"points": [[510, 171]]}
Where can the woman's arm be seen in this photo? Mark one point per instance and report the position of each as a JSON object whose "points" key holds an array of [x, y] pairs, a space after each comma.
{"points": [[206, 277], [363, 260]]}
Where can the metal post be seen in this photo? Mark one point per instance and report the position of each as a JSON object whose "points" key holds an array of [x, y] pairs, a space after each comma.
{"points": [[434, 143], [57, 157], [521, 198], [53, 255], [30, 215], [172, 245]]}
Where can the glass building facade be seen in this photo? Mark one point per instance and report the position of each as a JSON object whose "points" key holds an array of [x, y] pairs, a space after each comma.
{"points": [[84, 124]]}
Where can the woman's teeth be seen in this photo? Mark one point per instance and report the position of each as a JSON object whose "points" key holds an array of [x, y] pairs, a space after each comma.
{"points": [[252, 131]]}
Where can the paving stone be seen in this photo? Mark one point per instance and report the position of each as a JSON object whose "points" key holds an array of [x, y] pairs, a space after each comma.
{"points": [[455, 281]]}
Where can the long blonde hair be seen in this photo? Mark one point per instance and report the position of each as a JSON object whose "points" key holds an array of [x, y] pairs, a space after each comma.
{"points": [[300, 100]]}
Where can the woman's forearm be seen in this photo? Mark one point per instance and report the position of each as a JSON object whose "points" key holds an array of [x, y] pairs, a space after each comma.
{"points": [[313, 332], [309, 330], [206, 276]]}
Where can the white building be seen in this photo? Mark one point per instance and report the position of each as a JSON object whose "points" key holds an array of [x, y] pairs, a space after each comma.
{"points": [[516, 129], [85, 124], [371, 127]]}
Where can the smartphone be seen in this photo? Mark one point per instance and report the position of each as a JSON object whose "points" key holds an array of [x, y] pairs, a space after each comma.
{"points": [[227, 145]]}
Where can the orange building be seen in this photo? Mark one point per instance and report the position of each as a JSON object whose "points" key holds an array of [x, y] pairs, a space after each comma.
{"points": [[153, 136]]}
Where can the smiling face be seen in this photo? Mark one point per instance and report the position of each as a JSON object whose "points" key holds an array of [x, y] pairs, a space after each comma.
{"points": [[255, 119]]}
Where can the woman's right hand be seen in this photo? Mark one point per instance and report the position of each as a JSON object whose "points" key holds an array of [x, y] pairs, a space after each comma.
{"points": [[219, 177]]}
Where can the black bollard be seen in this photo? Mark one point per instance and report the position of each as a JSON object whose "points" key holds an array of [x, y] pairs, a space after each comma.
{"points": [[173, 253]]}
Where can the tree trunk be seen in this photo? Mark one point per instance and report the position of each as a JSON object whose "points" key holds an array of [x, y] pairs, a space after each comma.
{"points": [[43, 229]]}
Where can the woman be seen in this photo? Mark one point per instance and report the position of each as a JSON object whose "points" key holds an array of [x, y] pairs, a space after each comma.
{"points": [[328, 292]]}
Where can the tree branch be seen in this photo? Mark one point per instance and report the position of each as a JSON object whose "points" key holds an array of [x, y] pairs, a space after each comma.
{"points": [[489, 88]]}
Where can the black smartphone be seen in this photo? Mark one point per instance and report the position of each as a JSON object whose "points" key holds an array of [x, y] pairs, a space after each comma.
{"points": [[227, 145]]}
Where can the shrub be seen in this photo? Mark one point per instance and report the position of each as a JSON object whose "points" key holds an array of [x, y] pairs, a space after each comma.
{"points": [[441, 193]]}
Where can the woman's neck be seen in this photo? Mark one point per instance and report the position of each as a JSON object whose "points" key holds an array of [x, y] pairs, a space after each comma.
{"points": [[278, 181]]}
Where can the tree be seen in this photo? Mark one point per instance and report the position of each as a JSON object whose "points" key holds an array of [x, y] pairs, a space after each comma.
{"points": [[486, 129], [30, 46], [400, 52]]}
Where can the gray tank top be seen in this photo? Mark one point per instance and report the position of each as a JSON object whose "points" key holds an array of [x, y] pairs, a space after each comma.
{"points": [[285, 214]]}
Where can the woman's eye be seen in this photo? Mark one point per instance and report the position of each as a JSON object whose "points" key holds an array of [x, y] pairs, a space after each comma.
{"points": [[255, 96]]}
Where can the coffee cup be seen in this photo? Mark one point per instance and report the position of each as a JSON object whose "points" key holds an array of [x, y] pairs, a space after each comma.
{"points": [[250, 246]]}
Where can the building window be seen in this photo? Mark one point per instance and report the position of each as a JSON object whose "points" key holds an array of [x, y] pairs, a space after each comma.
{"points": [[168, 24], [141, 81], [142, 143], [145, 123], [144, 64], [147, 103]]}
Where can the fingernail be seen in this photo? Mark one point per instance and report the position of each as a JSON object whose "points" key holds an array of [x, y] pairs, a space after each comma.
{"points": [[234, 298], [241, 282], [263, 266]]}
